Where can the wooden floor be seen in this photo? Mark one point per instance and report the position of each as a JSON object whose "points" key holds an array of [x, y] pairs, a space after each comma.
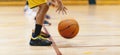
{"points": [[99, 31]]}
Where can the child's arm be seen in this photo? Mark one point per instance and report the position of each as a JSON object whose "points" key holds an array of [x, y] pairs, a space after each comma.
{"points": [[61, 7]]}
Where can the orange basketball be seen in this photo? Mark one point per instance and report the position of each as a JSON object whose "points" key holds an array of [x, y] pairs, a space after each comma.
{"points": [[68, 28]]}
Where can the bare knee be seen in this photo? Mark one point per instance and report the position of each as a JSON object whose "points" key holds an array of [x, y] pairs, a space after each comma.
{"points": [[44, 5], [43, 8]]}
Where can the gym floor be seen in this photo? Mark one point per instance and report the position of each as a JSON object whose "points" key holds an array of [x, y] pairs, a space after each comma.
{"points": [[99, 31]]}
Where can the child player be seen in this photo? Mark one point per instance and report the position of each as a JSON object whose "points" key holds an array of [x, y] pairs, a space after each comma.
{"points": [[39, 39]]}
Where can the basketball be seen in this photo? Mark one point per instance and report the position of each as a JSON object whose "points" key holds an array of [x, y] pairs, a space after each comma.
{"points": [[68, 28]]}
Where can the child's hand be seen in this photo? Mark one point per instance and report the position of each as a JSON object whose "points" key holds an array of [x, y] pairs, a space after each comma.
{"points": [[61, 8]]}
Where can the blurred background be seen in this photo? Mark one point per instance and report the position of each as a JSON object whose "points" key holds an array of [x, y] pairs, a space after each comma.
{"points": [[99, 22], [67, 2]]}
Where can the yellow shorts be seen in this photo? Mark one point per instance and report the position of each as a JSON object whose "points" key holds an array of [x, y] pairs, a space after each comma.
{"points": [[35, 3]]}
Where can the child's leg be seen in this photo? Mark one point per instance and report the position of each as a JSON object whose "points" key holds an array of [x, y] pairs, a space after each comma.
{"points": [[37, 40], [43, 8]]}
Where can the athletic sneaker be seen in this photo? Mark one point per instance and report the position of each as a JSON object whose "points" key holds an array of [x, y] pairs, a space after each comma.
{"points": [[46, 22], [45, 35], [40, 41], [47, 17]]}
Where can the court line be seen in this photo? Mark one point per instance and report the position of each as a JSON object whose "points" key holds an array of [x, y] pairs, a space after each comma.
{"points": [[89, 46], [53, 42], [99, 35]]}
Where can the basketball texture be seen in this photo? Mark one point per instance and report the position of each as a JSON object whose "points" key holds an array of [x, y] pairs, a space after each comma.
{"points": [[68, 28]]}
